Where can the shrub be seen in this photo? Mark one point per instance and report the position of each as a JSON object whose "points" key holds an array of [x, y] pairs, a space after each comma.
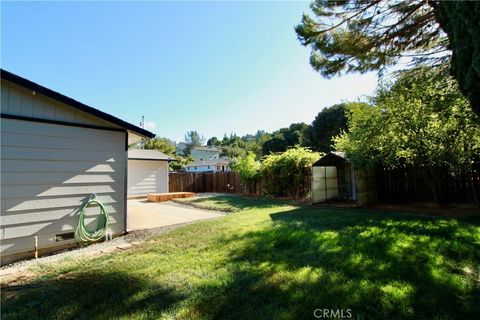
{"points": [[248, 168], [285, 173]]}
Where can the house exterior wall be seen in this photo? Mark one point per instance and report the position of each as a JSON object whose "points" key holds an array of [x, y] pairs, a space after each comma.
{"points": [[49, 170], [201, 168], [208, 168], [204, 155], [19, 101], [147, 176]]}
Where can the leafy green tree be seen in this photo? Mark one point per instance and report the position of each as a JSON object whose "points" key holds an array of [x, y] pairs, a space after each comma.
{"points": [[277, 143], [365, 129], [233, 152], [358, 35], [328, 123], [234, 146], [180, 162], [192, 139], [286, 171], [168, 147], [225, 140], [295, 133], [248, 168], [261, 136], [461, 22], [421, 120], [285, 138], [164, 145], [213, 141]]}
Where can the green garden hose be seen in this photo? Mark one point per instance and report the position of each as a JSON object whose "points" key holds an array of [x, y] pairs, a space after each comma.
{"points": [[82, 233]]}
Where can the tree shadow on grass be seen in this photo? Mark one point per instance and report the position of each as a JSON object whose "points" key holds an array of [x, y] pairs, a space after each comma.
{"points": [[102, 295], [381, 266]]}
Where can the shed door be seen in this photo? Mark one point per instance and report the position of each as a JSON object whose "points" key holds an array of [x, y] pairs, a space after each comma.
{"points": [[324, 184]]}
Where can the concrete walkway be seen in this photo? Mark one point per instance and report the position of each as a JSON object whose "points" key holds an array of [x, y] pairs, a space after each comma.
{"points": [[147, 215]]}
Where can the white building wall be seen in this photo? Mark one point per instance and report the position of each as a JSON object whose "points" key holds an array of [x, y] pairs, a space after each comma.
{"points": [[48, 171], [147, 176], [204, 155], [208, 168], [201, 168]]}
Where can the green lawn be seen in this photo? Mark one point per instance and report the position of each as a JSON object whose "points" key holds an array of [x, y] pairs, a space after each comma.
{"points": [[271, 260]]}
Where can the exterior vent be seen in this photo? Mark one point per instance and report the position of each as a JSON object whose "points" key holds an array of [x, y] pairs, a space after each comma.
{"points": [[64, 237]]}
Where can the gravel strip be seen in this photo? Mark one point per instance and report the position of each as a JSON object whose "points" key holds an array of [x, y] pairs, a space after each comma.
{"points": [[129, 240], [133, 238]]}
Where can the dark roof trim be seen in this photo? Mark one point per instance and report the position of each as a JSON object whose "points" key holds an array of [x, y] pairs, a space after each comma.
{"points": [[331, 159], [74, 103], [63, 123]]}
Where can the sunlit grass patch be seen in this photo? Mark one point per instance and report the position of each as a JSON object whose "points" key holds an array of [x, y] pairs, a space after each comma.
{"points": [[271, 260]]}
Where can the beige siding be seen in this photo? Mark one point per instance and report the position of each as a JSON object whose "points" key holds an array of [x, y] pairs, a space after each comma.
{"points": [[49, 170], [19, 101], [145, 176]]}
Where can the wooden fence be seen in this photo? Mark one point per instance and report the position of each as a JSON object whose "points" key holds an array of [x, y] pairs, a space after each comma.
{"points": [[223, 182], [398, 185], [412, 185]]}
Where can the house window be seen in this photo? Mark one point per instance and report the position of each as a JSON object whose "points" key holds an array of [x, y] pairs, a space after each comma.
{"points": [[195, 168]]}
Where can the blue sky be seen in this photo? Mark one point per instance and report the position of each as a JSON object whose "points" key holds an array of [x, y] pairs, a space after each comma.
{"points": [[214, 67]]}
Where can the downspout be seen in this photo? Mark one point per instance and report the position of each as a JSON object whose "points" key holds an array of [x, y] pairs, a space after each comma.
{"points": [[125, 184], [36, 247]]}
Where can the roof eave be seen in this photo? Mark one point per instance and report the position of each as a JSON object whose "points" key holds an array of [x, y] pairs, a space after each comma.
{"points": [[74, 103]]}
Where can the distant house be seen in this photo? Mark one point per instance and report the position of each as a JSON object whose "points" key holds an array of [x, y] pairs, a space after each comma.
{"points": [[210, 165], [205, 153]]}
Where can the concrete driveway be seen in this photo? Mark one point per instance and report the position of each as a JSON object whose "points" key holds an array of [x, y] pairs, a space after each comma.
{"points": [[148, 215]]}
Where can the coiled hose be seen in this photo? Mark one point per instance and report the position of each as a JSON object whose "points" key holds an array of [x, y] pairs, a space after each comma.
{"points": [[85, 235]]}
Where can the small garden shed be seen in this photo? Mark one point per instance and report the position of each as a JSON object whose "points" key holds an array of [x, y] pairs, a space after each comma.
{"points": [[335, 178]]}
